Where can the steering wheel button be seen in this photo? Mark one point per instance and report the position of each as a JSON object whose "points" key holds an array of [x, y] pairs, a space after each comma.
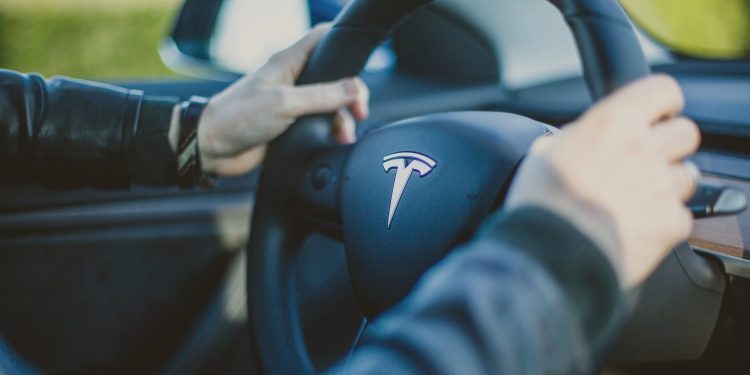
{"points": [[321, 177]]}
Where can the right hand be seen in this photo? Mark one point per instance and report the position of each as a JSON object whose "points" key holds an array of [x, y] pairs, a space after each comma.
{"points": [[617, 174]]}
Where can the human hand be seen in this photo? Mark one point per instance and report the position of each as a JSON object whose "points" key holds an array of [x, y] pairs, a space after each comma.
{"points": [[617, 174], [238, 122]]}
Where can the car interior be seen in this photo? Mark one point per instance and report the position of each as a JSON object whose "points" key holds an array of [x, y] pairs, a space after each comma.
{"points": [[190, 282]]}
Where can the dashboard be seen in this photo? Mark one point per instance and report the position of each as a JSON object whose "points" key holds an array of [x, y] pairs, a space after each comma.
{"points": [[725, 237]]}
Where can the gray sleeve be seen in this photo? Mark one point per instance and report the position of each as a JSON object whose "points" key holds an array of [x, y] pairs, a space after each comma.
{"points": [[529, 295]]}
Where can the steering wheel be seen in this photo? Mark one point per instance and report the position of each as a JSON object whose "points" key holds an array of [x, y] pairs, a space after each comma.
{"points": [[405, 194]]}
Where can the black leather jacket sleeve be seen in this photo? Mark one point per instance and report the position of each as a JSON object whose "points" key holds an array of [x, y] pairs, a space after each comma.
{"points": [[529, 295], [67, 133]]}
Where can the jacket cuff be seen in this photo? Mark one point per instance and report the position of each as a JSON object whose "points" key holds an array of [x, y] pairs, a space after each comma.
{"points": [[584, 273], [152, 160]]}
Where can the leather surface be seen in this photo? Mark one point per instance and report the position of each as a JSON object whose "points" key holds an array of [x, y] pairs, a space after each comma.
{"points": [[67, 133], [610, 52]]}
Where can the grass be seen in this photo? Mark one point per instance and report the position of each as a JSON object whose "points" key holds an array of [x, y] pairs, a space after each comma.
{"points": [[85, 38]]}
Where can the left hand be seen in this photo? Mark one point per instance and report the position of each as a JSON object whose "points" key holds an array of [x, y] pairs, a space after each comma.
{"points": [[238, 122]]}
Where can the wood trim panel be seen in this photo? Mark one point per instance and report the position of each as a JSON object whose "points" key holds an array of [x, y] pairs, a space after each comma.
{"points": [[729, 235]]}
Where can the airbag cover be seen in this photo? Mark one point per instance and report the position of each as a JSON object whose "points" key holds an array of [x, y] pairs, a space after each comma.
{"points": [[414, 189]]}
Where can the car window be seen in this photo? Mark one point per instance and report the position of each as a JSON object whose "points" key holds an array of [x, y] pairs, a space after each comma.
{"points": [[707, 29], [247, 32], [96, 39]]}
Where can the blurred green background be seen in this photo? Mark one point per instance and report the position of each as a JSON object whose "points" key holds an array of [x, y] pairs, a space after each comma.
{"points": [[114, 39], [713, 29], [85, 38]]}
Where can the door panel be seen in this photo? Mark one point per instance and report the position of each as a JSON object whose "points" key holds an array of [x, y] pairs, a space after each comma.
{"points": [[112, 281]]}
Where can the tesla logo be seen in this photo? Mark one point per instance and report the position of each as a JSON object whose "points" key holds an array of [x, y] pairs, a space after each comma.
{"points": [[405, 163]]}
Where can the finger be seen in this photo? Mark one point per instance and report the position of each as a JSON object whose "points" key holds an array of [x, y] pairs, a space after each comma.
{"points": [[344, 127], [320, 98], [540, 144], [684, 180], [361, 107], [676, 138], [643, 102], [287, 64]]}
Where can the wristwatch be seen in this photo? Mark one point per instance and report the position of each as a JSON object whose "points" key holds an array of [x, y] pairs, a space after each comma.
{"points": [[189, 169]]}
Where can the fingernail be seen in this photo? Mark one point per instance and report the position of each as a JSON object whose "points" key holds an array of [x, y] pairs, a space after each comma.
{"points": [[350, 88]]}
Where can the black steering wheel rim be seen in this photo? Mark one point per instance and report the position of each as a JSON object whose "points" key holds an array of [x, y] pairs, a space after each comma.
{"points": [[611, 57]]}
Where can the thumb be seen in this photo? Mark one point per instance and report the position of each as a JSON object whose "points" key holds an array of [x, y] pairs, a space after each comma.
{"points": [[322, 97], [540, 144]]}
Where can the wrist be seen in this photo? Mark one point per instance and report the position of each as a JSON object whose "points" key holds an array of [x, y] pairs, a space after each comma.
{"points": [[586, 277], [591, 220], [224, 151], [207, 140]]}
